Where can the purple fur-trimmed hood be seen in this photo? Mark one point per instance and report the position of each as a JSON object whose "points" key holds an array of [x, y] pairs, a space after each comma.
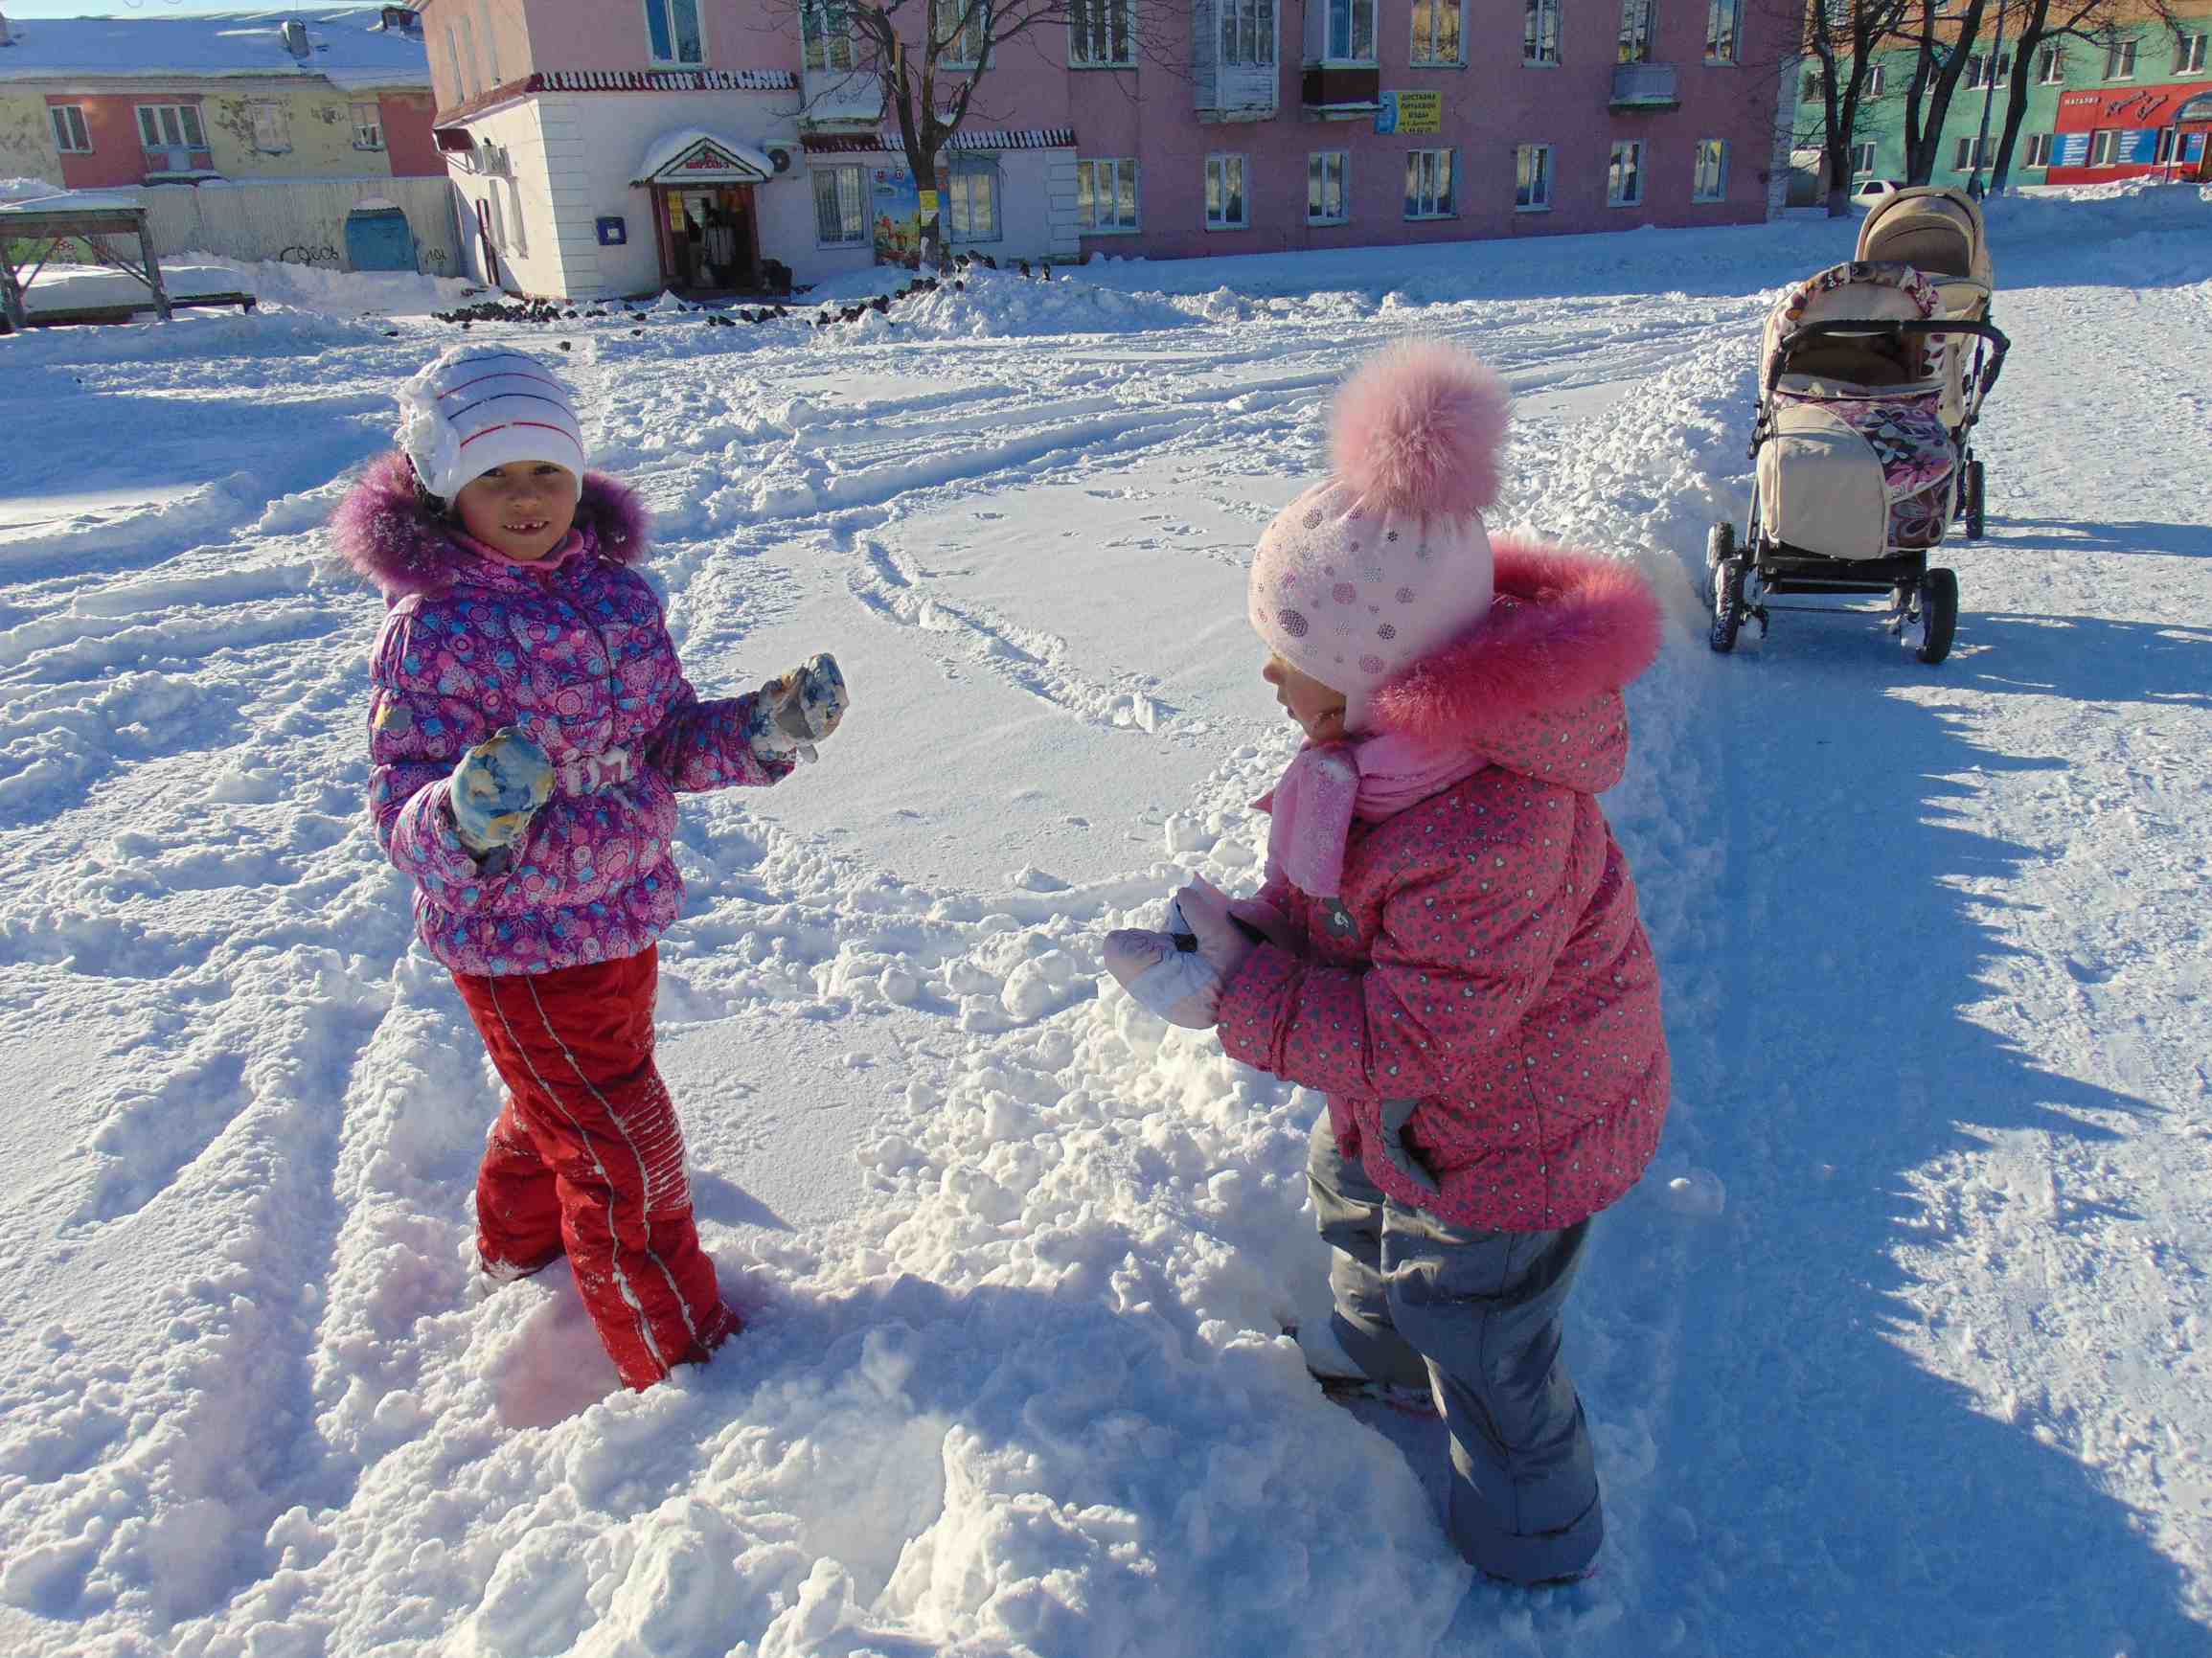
{"points": [[385, 533]]}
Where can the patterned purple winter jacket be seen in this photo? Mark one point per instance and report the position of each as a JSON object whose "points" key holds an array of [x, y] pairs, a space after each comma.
{"points": [[580, 658]]}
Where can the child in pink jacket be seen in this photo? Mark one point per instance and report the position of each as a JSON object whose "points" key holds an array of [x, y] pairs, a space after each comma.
{"points": [[1448, 943]]}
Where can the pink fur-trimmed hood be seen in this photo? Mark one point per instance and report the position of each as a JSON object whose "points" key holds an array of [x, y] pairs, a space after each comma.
{"points": [[1536, 684], [385, 533]]}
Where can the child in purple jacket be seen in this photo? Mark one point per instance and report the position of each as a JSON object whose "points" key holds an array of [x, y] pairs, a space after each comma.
{"points": [[530, 728]]}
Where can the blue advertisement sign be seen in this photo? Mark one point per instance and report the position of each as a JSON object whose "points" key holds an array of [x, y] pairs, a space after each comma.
{"points": [[2073, 149], [2138, 146], [2193, 146]]}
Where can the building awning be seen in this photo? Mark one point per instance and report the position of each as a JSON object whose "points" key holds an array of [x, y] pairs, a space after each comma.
{"points": [[696, 156], [979, 138]]}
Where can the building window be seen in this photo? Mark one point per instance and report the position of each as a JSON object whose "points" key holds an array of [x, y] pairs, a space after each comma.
{"points": [[1710, 181], [453, 63], [1437, 37], [1637, 20], [672, 27], [490, 44], [1106, 195], [2051, 66], [2120, 60], [1539, 31], [2165, 151], [1247, 30], [70, 135], [840, 206], [2105, 147], [1625, 174], [171, 127], [495, 218], [272, 127], [368, 126], [1351, 32], [964, 26], [1102, 33], [2189, 54], [1873, 86], [1532, 178], [1972, 152], [1862, 158], [1723, 19], [1226, 208], [1986, 71], [828, 42], [971, 200], [1428, 184], [469, 59], [2039, 150], [516, 217], [1325, 200]]}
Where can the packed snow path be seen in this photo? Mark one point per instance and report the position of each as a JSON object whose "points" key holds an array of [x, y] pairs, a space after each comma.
{"points": [[1897, 1352]]}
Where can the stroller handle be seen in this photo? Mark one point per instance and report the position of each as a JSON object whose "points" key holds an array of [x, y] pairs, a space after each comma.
{"points": [[1874, 329]]}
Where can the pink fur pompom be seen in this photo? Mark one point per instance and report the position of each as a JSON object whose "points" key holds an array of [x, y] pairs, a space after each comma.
{"points": [[1418, 427]]}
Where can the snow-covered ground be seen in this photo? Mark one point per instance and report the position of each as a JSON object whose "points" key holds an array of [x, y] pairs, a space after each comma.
{"points": [[1900, 1351]]}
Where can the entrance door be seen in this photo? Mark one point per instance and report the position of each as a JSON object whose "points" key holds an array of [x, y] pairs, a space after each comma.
{"points": [[709, 238]]}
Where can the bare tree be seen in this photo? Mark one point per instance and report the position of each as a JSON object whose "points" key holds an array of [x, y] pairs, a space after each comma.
{"points": [[1944, 41], [2043, 22], [1841, 37], [930, 60]]}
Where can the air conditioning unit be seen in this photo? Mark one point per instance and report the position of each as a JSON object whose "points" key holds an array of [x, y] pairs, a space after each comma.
{"points": [[494, 162], [779, 157]]}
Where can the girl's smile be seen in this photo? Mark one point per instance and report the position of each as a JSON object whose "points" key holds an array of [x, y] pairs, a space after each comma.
{"points": [[521, 511]]}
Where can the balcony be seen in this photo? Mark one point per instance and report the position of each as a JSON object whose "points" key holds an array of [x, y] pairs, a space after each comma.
{"points": [[177, 160], [1237, 91], [1342, 92], [841, 100], [1645, 87]]}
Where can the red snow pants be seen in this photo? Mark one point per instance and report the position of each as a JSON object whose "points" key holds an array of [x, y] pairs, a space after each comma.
{"points": [[588, 1158]]}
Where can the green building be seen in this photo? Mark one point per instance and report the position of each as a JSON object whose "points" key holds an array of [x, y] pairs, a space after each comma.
{"points": [[2146, 55]]}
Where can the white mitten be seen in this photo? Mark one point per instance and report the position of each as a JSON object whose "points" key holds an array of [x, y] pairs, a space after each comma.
{"points": [[1175, 984]]}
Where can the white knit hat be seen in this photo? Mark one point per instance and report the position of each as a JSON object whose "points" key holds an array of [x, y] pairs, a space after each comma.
{"points": [[1368, 572], [478, 407]]}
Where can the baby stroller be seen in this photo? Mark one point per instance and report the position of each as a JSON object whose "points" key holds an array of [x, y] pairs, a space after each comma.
{"points": [[1938, 230], [1860, 453]]}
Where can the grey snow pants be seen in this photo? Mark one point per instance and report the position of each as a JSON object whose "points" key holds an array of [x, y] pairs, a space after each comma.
{"points": [[1474, 1316]]}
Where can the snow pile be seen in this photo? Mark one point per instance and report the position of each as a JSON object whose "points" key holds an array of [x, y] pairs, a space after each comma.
{"points": [[981, 304], [25, 189], [336, 292]]}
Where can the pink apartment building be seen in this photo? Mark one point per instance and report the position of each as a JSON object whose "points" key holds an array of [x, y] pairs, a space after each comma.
{"points": [[615, 147]]}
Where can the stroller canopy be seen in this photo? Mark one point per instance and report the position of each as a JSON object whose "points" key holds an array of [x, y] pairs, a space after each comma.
{"points": [[1857, 292], [1937, 231]]}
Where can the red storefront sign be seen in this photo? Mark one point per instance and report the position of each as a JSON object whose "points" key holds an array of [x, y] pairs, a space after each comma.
{"points": [[2131, 131]]}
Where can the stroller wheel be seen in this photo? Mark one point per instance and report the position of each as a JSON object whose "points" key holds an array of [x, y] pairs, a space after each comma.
{"points": [[1938, 615], [1720, 546], [1971, 489], [1727, 595]]}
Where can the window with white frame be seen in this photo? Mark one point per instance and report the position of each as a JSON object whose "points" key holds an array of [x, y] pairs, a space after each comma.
{"points": [[1985, 72], [469, 66], [827, 36], [1102, 33], [672, 31], [1247, 30], [1532, 178], [1325, 195], [2051, 66], [1862, 158], [2165, 151], [495, 218], [2120, 60], [1625, 174], [1539, 31], [2189, 54], [1873, 80], [1438, 37], [368, 126], [490, 43], [1636, 23], [840, 206], [2105, 147], [1971, 151], [1106, 195], [964, 28], [1351, 32], [453, 63], [71, 136], [1709, 182], [272, 127], [515, 218], [1430, 184], [1724, 21], [972, 191], [171, 127], [2040, 148], [1226, 206]]}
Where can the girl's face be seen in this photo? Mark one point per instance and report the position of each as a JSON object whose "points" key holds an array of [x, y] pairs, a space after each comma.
{"points": [[1317, 709], [521, 509]]}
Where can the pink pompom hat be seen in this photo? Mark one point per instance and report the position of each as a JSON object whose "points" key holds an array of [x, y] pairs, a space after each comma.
{"points": [[1388, 559]]}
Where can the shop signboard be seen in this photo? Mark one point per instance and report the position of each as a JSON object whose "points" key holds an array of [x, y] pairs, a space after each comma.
{"points": [[2073, 149], [896, 207], [1414, 112]]}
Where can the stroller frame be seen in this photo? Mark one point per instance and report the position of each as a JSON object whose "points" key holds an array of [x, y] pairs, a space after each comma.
{"points": [[1742, 574]]}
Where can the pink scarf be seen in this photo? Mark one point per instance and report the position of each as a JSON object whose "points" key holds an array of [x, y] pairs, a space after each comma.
{"points": [[1328, 785]]}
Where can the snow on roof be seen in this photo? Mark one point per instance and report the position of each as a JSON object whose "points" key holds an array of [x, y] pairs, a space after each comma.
{"points": [[74, 202], [345, 47]]}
